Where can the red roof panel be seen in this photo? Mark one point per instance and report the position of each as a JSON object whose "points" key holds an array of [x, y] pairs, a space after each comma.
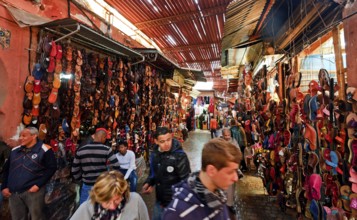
{"points": [[189, 32]]}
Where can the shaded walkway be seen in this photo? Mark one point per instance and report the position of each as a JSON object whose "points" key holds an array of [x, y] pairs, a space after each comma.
{"points": [[253, 202]]}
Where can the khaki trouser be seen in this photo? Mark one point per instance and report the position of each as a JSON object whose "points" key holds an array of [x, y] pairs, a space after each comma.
{"points": [[25, 203]]}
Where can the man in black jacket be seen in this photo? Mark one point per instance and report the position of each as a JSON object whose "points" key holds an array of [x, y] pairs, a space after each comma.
{"points": [[168, 165], [26, 172]]}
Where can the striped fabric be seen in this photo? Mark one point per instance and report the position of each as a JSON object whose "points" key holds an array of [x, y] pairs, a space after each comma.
{"points": [[91, 160]]}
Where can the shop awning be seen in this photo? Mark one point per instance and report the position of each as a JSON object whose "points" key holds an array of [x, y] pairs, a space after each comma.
{"points": [[88, 37], [196, 75], [194, 93], [243, 19], [157, 59], [172, 83], [24, 18], [160, 61], [190, 82], [173, 86], [207, 93]]}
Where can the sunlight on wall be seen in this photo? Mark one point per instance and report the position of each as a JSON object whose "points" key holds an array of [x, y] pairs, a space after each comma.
{"points": [[101, 8]]}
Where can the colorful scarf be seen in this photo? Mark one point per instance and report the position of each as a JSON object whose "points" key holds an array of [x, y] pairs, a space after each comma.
{"points": [[214, 200], [101, 213]]}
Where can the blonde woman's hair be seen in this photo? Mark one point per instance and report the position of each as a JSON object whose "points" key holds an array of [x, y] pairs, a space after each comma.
{"points": [[108, 185]]}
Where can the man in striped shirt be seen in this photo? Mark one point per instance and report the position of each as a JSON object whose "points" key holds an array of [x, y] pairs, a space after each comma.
{"points": [[91, 160]]}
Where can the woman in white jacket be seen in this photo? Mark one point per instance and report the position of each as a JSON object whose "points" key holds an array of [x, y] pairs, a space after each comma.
{"points": [[111, 199]]}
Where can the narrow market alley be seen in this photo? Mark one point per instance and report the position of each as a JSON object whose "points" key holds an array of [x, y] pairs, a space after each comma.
{"points": [[253, 201], [90, 86]]}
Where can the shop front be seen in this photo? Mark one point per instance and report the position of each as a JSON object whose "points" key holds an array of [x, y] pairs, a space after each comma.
{"points": [[69, 78], [297, 108]]}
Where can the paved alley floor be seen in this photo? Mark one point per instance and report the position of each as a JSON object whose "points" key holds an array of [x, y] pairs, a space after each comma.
{"points": [[253, 201], [255, 204]]}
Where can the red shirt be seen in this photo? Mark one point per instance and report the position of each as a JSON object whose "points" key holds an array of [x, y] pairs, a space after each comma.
{"points": [[211, 108], [213, 123]]}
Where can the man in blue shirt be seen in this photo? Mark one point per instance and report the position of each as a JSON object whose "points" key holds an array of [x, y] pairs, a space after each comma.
{"points": [[29, 167]]}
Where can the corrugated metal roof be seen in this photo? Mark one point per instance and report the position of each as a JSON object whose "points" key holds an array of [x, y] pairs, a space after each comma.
{"points": [[242, 19], [193, 33], [188, 32], [155, 58], [85, 35]]}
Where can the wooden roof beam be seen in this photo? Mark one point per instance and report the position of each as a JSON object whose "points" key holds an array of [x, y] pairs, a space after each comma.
{"points": [[220, 82], [189, 47], [201, 61], [212, 76], [264, 16], [312, 47], [306, 21], [182, 17]]}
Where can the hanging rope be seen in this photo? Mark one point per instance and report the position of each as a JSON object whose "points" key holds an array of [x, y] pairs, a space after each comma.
{"points": [[321, 55], [29, 53]]}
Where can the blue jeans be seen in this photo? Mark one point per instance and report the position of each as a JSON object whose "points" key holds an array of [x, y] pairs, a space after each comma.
{"points": [[158, 211], [133, 179], [84, 193], [27, 203]]}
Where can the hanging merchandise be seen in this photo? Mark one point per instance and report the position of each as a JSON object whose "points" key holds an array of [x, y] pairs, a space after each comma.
{"points": [[306, 144], [73, 90], [211, 106]]}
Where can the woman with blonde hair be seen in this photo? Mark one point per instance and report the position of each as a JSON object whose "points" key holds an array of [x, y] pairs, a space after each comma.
{"points": [[111, 199]]}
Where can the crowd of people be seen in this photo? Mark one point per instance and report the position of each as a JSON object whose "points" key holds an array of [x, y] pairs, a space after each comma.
{"points": [[109, 181], [239, 130]]}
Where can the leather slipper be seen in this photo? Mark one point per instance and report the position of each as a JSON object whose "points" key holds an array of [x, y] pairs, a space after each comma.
{"points": [[53, 96], [345, 192], [29, 84]]}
